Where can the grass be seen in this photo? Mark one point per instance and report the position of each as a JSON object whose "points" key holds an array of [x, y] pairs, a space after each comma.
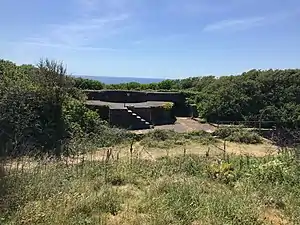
{"points": [[189, 189], [170, 138]]}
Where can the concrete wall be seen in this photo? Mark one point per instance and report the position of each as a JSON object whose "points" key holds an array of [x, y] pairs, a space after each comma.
{"points": [[145, 113], [161, 116], [117, 96], [121, 118], [154, 115], [135, 96], [175, 97], [182, 110]]}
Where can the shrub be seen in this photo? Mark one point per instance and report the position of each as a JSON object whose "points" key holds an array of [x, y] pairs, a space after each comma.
{"points": [[168, 105], [201, 136], [224, 132], [41, 112], [222, 171], [243, 136], [239, 135], [161, 135], [87, 84], [31, 102], [79, 118]]}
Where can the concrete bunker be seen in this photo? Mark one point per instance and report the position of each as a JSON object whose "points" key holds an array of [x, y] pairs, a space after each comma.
{"points": [[137, 109]]}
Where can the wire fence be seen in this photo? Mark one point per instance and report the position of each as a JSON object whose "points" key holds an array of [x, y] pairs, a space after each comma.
{"points": [[54, 181], [218, 151], [269, 124]]}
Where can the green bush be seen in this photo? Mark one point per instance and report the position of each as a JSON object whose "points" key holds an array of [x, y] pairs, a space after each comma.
{"points": [[78, 116], [161, 135], [42, 112], [201, 136], [87, 84], [168, 105], [224, 132], [239, 135], [246, 137], [31, 102]]}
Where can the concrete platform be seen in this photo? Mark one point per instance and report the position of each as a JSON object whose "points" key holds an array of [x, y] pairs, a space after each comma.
{"points": [[182, 125]]}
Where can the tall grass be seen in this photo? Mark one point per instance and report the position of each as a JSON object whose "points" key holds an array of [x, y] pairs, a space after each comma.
{"points": [[171, 190]]}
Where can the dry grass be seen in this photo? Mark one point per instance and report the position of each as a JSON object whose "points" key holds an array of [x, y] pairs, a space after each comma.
{"points": [[191, 183], [166, 190], [273, 216], [141, 152]]}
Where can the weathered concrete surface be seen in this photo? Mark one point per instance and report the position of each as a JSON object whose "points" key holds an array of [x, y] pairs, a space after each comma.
{"points": [[121, 118], [117, 113], [183, 124], [146, 106], [115, 105], [134, 96]]}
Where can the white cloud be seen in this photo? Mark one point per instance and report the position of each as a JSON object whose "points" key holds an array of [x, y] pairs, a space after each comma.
{"points": [[250, 22], [235, 24], [81, 34], [87, 28]]}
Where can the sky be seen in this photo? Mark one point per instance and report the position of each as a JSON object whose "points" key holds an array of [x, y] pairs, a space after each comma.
{"points": [[153, 38]]}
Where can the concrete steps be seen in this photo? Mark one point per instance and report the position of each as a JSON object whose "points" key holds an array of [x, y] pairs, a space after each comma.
{"points": [[141, 122]]}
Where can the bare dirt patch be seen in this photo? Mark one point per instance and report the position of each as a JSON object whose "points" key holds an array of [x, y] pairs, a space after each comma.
{"points": [[273, 216]]}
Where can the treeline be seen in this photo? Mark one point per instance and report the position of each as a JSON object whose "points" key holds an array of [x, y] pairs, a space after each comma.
{"points": [[43, 113], [268, 95]]}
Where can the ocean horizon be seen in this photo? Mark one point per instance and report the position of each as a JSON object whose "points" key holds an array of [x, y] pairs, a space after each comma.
{"points": [[119, 80]]}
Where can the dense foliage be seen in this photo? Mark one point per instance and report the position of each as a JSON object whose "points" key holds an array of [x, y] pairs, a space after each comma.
{"points": [[42, 112], [85, 84], [42, 108], [270, 95]]}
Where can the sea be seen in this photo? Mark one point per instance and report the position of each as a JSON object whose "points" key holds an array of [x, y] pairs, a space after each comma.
{"points": [[119, 80]]}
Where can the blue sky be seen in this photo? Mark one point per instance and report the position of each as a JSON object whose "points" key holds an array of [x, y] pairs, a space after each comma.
{"points": [[153, 38]]}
